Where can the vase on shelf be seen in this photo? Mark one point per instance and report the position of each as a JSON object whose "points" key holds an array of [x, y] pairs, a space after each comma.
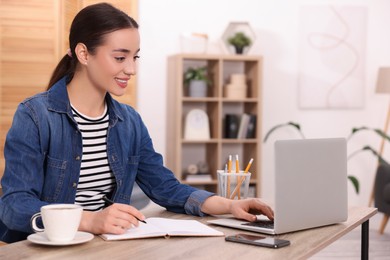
{"points": [[239, 49], [197, 88]]}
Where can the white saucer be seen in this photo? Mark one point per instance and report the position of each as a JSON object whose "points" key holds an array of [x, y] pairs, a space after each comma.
{"points": [[40, 238]]}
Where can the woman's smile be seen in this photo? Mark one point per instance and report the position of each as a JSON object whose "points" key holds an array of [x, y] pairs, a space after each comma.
{"points": [[122, 82]]}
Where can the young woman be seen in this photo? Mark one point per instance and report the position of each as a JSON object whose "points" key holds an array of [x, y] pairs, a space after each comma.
{"points": [[75, 144]]}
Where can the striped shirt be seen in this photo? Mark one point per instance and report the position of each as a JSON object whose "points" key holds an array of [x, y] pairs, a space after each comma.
{"points": [[96, 177]]}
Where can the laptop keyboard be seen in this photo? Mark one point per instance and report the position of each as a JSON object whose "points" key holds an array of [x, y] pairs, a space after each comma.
{"points": [[261, 223]]}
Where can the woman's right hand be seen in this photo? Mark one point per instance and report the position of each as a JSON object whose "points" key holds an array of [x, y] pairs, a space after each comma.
{"points": [[115, 219]]}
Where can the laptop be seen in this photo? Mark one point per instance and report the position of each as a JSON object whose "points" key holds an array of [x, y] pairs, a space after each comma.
{"points": [[310, 187]]}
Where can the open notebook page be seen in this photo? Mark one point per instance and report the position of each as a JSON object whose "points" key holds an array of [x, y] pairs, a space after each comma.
{"points": [[156, 227]]}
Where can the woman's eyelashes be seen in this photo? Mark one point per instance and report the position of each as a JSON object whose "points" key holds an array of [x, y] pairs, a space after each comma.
{"points": [[121, 59]]}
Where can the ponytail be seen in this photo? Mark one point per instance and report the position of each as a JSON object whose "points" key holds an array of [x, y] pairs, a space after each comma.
{"points": [[65, 67]]}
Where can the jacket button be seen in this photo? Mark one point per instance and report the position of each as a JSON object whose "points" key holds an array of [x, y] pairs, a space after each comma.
{"points": [[74, 185], [78, 158]]}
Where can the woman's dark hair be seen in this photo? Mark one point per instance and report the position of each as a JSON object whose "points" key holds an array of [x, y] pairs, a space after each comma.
{"points": [[89, 27]]}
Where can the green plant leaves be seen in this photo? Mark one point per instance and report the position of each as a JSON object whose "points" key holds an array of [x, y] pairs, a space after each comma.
{"points": [[239, 40], [295, 125], [376, 130], [355, 183], [196, 74], [369, 148]]}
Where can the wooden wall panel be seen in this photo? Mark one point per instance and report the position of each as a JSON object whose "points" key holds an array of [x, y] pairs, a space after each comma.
{"points": [[29, 47], [69, 10], [33, 38]]}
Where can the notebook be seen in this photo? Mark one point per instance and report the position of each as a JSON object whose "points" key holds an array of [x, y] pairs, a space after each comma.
{"points": [[310, 187], [164, 227]]}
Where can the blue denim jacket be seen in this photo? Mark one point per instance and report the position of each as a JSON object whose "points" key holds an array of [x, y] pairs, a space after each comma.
{"points": [[43, 153]]}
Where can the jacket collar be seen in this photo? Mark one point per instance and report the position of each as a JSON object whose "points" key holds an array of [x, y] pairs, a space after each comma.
{"points": [[58, 101]]}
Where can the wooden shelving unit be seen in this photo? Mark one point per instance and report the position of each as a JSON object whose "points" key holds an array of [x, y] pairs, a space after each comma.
{"points": [[216, 150]]}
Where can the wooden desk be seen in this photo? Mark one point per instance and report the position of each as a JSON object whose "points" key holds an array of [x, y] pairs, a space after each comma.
{"points": [[303, 243]]}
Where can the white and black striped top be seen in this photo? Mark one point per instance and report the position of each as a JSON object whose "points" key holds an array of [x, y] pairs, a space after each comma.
{"points": [[96, 177]]}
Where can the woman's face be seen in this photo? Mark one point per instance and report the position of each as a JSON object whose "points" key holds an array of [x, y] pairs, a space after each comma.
{"points": [[114, 62]]}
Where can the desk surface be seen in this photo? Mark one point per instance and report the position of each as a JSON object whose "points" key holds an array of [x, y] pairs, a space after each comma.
{"points": [[303, 243]]}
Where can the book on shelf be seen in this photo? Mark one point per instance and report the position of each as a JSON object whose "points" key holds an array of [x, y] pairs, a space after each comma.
{"points": [[232, 122], [240, 126], [251, 129], [164, 227], [244, 122]]}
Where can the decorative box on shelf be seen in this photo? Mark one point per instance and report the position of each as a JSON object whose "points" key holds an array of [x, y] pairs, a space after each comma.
{"points": [[236, 88]]}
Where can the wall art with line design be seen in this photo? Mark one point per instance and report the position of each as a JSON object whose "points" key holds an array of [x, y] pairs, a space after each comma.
{"points": [[332, 45]]}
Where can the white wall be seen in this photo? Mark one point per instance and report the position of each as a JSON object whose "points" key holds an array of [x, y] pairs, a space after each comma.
{"points": [[276, 26]]}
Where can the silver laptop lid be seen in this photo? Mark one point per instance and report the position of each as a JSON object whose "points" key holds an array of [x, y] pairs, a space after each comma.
{"points": [[310, 183]]}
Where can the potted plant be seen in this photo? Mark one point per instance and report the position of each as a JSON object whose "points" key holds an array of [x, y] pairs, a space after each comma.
{"points": [[197, 81], [239, 40]]}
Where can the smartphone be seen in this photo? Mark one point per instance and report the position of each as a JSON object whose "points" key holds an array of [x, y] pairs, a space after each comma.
{"points": [[258, 240]]}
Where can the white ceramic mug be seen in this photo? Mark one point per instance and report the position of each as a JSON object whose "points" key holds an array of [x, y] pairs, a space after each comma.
{"points": [[60, 221]]}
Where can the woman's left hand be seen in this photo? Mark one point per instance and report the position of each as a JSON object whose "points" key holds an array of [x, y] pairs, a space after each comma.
{"points": [[248, 209], [243, 209]]}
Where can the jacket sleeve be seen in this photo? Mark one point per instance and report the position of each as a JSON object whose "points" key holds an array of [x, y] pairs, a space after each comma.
{"points": [[23, 176], [160, 184]]}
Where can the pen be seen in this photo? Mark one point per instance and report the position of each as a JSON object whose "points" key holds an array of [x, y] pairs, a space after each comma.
{"points": [[110, 202]]}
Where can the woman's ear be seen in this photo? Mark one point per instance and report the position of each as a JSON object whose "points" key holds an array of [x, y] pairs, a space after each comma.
{"points": [[82, 53]]}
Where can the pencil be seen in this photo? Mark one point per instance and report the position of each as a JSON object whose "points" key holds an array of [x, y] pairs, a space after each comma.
{"points": [[228, 177], [249, 165], [237, 165], [237, 189], [110, 202], [230, 164]]}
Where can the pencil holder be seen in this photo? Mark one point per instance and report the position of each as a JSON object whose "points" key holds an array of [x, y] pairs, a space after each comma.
{"points": [[233, 185]]}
